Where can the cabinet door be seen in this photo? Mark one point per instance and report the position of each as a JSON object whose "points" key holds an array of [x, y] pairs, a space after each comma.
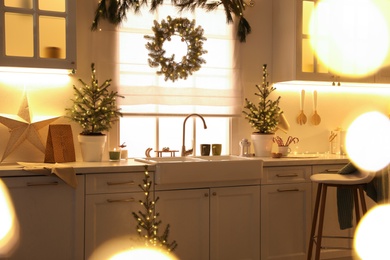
{"points": [[293, 56], [187, 213], [108, 217], [235, 223], [285, 221], [50, 215], [38, 33]]}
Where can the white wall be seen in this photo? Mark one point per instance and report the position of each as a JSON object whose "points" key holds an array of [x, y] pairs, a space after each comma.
{"points": [[336, 108]]}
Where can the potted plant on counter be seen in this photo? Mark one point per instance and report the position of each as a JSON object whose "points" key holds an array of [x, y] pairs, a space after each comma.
{"points": [[263, 117], [94, 109]]}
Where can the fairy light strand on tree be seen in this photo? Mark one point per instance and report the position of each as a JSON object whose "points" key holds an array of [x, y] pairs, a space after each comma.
{"points": [[264, 116], [147, 220], [94, 106]]}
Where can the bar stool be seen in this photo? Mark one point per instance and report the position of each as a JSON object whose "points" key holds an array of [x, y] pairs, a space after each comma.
{"points": [[353, 181]]}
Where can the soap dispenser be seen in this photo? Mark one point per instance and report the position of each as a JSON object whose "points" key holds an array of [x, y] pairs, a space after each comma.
{"points": [[244, 144]]}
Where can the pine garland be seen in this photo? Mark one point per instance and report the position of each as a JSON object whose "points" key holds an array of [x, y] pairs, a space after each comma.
{"points": [[147, 223], [264, 117], [192, 36], [94, 107], [115, 11]]}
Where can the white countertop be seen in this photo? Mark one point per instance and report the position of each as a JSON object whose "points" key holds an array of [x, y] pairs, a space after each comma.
{"points": [[305, 159], [7, 169], [14, 169]]}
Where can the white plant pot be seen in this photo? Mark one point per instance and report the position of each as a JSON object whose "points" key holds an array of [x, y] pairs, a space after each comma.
{"points": [[262, 144], [92, 147]]}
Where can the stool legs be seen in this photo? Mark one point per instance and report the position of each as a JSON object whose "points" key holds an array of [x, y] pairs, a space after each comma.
{"points": [[319, 214], [362, 200], [321, 222], [314, 222]]}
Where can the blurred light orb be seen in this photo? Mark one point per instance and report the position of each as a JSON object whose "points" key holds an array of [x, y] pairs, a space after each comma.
{"points": [[372, 236], [9, 226], [351, 37], [142, 253], [368, 141]]}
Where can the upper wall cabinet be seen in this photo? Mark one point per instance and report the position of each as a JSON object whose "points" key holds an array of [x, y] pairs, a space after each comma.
{"points": [[38, 33], [293, 57]]}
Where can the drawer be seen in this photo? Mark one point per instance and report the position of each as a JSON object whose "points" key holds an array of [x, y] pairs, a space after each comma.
{"points": [[327, 168], [115, 182], [286, 174]]}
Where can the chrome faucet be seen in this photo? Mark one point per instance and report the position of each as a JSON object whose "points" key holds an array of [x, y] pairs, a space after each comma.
{"points": [[185, 152]]}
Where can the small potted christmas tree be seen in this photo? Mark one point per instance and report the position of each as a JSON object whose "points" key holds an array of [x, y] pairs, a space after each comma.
{"points": [[263, 116], [94, 109]]}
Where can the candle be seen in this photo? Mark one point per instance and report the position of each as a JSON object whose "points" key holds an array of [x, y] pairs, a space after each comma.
{"points": [[124, 154], [115, 155]]}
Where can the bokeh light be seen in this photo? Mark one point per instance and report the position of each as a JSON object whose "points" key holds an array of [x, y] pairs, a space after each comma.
{"points": [[9, 227], [130, 247], [351, 37], [368, 141], [372, 235], [142, 253]]}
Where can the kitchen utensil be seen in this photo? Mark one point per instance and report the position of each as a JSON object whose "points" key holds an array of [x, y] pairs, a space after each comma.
{"points": [[301, 119], [315, 119]]}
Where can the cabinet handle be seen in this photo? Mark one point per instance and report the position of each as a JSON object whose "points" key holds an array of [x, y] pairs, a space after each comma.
{"points": [[121, 183], [287, 175], [330, 170], [214, 193], [121, 200], [287, 190], [206, 195], [32, 184]]}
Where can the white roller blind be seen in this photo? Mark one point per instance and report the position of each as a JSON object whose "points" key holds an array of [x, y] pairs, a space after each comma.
{"points": [[215, 89]]}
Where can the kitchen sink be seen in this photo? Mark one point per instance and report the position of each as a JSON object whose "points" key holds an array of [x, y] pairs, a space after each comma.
{"points": [[200, 169], [168, 159], [222, 158]]}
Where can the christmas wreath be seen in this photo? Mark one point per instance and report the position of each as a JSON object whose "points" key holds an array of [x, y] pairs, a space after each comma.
{"points": [[192, 36]]}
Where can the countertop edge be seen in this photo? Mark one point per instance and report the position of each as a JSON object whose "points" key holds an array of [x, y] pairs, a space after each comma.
{"points": [[15, 170], [130, 165]]}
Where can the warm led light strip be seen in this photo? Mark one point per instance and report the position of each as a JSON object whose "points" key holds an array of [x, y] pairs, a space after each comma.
{"points": [[328, 88], [36, 70]]}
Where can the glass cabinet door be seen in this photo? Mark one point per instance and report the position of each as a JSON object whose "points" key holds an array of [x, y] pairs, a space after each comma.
{"points": [[38, 33], [310, 63]]}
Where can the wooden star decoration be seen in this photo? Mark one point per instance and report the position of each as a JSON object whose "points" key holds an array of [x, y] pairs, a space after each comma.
{"points": [[22, 127]]}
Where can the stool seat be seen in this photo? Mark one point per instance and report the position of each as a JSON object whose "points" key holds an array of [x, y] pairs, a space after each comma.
{"points": [[343, 179]]}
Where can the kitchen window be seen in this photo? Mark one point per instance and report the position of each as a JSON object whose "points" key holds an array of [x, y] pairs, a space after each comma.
{"points": [[154, 109]]}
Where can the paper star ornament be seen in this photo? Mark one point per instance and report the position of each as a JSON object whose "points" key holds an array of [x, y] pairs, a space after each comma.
{"points": [[23, 127]]}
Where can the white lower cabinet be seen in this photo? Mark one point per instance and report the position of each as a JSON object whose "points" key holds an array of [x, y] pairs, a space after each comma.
{"points": [[285, 219], [213, 223], [287, 204], [50, 215], [109, 202], [187, 213]]}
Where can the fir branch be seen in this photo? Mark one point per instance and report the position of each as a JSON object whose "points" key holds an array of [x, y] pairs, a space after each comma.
{"points": [[243, 29], [147, 221], [115, 11], [263, 116], [94, 107]]}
